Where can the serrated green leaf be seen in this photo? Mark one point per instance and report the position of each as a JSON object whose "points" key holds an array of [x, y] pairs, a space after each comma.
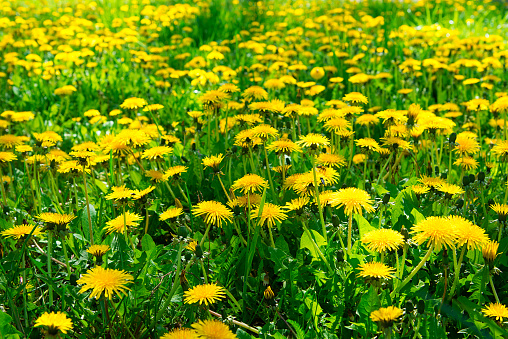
{"points": [[306, 242], [277, 256]]}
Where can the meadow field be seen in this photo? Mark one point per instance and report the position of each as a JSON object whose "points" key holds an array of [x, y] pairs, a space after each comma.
{"points": [[223, 169]]}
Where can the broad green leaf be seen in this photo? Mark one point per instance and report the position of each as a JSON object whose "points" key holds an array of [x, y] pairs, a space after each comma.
{"points": [[306, 242], [241, 334], [7, 331], [363, 225], [418, 216], [277, 256], [136, 177], [101, 186], [300, 333], [147, 243]]}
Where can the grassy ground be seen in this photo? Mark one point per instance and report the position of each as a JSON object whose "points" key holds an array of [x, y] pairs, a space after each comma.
{"points": [[222, 169]]}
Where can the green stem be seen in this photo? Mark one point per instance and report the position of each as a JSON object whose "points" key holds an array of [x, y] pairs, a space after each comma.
{"points": [[3, 188], [272, 243], [316, 190], [66, 255], [121, 320], [414, 271], [204, 272], [318, 250], [25, 311], [49, 249], [205, 235], [383, 168], [183, 193], [147, 219], [88, 207], [349, 233], [457, 272], [269, 174], [176, 284], [494, 290]]}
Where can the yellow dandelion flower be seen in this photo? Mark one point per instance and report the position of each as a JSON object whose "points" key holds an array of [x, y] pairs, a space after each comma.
{"points": [[375, 270], [214, 212], [467, 163], [497, 310], [283, 146], [420, 189], [437, 231], [156, 152], [7, 156], [54, 323], [501, 210], [118, 224], [56, 218], [270, 214], [353, 200], [213, 161], [368, 144], [171, 213], [98, 250], [156, 176], [489, 250], [20, 231], [469, 234], [466, 145], [385, 316], [207, 294], [181, 333], [121, 194], [175, 171], [355, 97], [213, 329], [449, 189], [250, 183], [107, 281], [313, 141], [133, 103], [383, 240]]}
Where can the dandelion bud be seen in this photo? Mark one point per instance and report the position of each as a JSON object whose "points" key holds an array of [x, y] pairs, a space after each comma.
{"points": [[459, 204], [445, 258], [405, 233], [436, 170], [489, 251], [472, 178], [421, 307], [317, 73], [199, 251], [178, 203], [386, 198], [340, 256], [481, 176], [409, 306], [268, 293], [335, 220], [465, 181], [182, 231], [452, 138], [73, 280]]}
